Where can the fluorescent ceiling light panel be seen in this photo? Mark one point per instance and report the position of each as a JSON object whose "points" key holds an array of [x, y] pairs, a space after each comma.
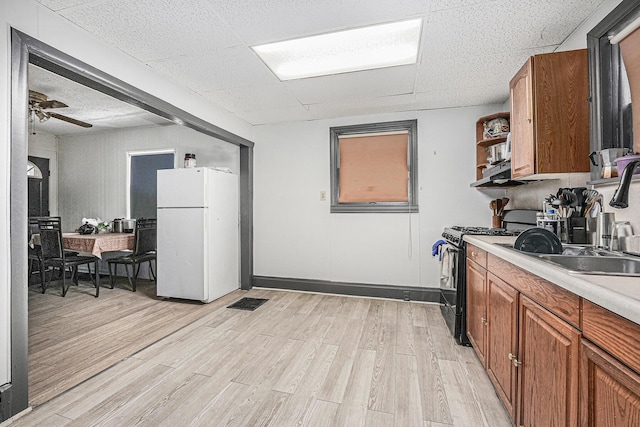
{"points": [[367, 48]]}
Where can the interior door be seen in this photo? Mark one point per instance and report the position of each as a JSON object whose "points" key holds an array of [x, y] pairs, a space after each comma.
{"points": [[38, 189]]}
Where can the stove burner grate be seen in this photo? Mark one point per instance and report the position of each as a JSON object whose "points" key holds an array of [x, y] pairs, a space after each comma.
{"points": [[485, 231]]}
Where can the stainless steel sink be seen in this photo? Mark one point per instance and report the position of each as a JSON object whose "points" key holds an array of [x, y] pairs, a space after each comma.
{"points": [[576, 250], [590, 260], [609, 265], [573, 250]]}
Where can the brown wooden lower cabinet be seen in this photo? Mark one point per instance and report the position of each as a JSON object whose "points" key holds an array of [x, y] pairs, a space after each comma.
{"points": [[502, 340], [548, 351], [477, 308], [609, 391], [531, 354]]}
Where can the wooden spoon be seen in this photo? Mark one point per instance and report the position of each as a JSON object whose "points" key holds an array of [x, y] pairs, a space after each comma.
{"points": [[493, 205], [505, 201]]}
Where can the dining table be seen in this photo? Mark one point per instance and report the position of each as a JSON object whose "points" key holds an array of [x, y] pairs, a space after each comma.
{"points": [[94, 244]]}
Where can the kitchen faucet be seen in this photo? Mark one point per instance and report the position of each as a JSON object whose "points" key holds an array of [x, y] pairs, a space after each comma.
{"points": [[620, 199]]}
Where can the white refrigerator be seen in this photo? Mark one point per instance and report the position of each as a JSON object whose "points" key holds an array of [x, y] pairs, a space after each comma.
{"points": [[198, 233]]}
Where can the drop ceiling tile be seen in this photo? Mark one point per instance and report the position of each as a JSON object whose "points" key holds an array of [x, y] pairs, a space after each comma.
{"points": [[249, 98], [554, 20], [464, 97], [155, 29], [470, 49], [217, 70], [480, 29], [262, 21], [471, 71], [275, 115], [437, 5], [61, 4], [359, 106], [361, 84]]}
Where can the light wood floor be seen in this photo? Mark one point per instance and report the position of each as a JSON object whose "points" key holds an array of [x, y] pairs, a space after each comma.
{"points": [[300, 359], [75, 337]]}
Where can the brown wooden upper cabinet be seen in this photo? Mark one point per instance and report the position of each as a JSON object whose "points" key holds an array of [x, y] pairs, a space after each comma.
{"points": [[550, 115]]}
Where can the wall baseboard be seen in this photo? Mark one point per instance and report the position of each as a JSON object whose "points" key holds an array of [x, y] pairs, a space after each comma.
{"points": [[407, 293]]}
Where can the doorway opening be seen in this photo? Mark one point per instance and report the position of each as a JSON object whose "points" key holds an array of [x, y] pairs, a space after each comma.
{"points": [[26, 50]]}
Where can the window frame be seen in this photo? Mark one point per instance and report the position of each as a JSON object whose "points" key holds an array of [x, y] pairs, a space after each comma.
{"points": [[604, 80], [410, 126], [136, 153]]}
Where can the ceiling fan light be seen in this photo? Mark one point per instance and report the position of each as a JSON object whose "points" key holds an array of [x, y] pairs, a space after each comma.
{"points": [[42, 116]]}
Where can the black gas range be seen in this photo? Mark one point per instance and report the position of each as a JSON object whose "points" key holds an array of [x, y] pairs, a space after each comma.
{"points": [[453, 275], [453, 235]]}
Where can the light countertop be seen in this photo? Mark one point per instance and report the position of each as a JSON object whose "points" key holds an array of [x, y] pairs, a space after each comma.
{"points": [[618, 294]]}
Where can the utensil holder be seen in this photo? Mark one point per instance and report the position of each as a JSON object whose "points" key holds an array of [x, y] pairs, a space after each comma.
{"points": [[496, 221], [578, 230]]}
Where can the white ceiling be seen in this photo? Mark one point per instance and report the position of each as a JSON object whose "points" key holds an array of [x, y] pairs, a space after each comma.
{"points": [[85, 104], [469, 50]]}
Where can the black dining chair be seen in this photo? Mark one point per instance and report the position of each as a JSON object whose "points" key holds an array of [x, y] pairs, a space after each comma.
{"points": [[54, 256], [34, 251], [144, 250]]}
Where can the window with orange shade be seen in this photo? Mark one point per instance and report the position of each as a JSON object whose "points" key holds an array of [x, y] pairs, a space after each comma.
{"points": [[373, 167]]}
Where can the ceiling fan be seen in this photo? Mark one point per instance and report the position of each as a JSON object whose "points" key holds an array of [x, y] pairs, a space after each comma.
{"points": [[39, 102]]}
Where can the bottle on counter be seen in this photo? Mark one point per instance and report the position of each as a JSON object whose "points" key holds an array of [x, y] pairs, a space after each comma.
{"points": [[548, 220], [189, 160]]}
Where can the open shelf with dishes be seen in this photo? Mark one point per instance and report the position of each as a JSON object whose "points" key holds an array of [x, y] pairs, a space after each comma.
{"points": [[484, 141]]}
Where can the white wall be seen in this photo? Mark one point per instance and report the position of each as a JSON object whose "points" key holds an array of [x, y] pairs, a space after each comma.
{"points": [[31, 18], [93, 167], [296, 236], [46, 146]]}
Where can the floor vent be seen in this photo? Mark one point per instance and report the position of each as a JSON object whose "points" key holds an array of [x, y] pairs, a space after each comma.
{"points": [[249, 304]]}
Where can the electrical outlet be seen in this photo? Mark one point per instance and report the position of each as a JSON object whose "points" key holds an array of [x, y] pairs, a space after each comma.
{"points": [[323, 196], [406, 295]]}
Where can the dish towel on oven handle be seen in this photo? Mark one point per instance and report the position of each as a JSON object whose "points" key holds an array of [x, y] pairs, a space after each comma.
{"points": [[436, 249]]}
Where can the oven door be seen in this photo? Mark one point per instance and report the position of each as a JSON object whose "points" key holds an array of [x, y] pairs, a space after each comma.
{"points": [[449, 274]]}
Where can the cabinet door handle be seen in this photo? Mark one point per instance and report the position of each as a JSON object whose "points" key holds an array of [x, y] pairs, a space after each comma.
{"points": [[483, 320], [528, 120], [473, 254], [514, 359]]}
